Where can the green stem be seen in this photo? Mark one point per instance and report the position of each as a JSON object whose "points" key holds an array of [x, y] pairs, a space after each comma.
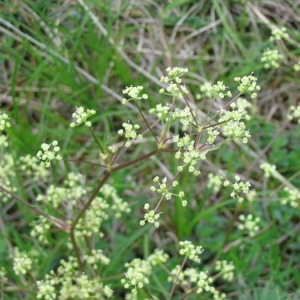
{"points": [[96, 139], [116, 156], [175, 281], [199, 134], [187, 103], [146, 122]]}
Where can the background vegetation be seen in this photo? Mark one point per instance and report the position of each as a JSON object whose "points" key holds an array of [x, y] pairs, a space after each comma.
{"points": [[56, 55]]}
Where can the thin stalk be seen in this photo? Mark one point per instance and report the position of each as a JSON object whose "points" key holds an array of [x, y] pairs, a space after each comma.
{"points": [[83, 162], [105, 177], [146, 122], [96, 139], [168, 124], [76, 250], [148, 293], [216, 124], [114, 159], [199, 134], [170, 184], [188, 104], [175, 281], [185, 297]]}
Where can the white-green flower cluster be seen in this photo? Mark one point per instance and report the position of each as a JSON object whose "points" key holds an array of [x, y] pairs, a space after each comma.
{"points": [[117, 206], [164, 189], [157, 257], [212, 133], [91, 222], [238, 188], [242, 105], [71, 280], [161, 111], [190, 251], [130, 133], [279, 34], [216, 90], [86, 287], [40, 229], [294, 113], [247, 84], [225, 269], [137, 274], [203, 282], [184, 115], [4, 123], [22, 263], [215, 182], [95, 258], [291, 197], [269, 170], [81, 115], [112, 149], [175, 88], [54, 196], [106, 156], [174, 74], [31, 167], [177, 275], [48, 153], [190, 276], [252, 195], [71, 191], [71, 194], [296, 66], [3, 276], [6, 183], [3, 140], [135, 93], [73, 180], [139, 271], [69, 284], [46, 287], [187, 154], [7, 165], [7, 174], [216, 294], [68, 195], [249, 224], [271, 58], [236, 130], [233, 127], [150, 217]]}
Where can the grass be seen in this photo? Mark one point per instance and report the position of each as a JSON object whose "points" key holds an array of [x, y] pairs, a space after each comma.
{"points": [[57, 57]]}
